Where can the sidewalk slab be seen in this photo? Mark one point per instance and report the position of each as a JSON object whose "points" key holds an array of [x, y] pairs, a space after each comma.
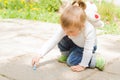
{"points": [[20, 68], [113, 67], [111, 72], [103, 76], [3, 78]]}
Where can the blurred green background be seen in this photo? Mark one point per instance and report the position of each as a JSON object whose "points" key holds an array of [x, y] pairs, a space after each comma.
{"points": [[43, 10], [48, 11]]}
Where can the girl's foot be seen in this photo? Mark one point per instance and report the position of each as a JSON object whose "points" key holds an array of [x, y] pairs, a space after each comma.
{"points": [[100, 63], [62, 59]]}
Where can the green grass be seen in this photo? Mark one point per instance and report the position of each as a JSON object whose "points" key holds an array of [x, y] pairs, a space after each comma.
{"points": [[31, 15], [107, 11], [42, 10], [117, 12], [110, 14], [111, 28]]}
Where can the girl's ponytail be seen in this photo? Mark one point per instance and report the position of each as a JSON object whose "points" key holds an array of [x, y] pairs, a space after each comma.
{"points": [[79, 3]]}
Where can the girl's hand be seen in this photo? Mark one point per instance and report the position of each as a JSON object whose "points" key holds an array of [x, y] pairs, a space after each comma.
{"points": [[35, 61], [77, 68]]}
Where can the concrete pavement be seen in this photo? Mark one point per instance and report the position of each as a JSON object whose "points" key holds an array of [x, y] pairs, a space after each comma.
{"points": [[20, 39]]}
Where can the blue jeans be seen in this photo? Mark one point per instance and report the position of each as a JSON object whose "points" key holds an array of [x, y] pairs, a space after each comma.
{"points": [[72, 51]]}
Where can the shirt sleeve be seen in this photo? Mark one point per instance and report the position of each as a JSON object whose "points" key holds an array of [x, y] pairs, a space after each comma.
{"points": [[90, 38], [51, 43]]}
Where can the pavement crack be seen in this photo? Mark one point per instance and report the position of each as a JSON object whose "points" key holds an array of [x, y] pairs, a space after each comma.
{"points": [[10, 21], [111, 73], [5, 76]]}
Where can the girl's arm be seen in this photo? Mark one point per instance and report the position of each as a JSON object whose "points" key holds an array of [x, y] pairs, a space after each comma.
{"points": [[50, 44], [90, 41]]}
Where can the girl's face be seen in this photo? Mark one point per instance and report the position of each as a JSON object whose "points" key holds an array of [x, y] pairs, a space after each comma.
{"points": [[71, 31]]}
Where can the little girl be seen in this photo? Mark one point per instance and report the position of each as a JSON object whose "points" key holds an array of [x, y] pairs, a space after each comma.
{"points": [[76, 40]]}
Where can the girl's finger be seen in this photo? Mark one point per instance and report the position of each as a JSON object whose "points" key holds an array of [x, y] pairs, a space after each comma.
{"points": [[73, 67], [33, 62]]}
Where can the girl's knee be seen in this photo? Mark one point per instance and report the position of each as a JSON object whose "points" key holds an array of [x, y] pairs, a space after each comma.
{"points": [[69, 63], [72, 62]]}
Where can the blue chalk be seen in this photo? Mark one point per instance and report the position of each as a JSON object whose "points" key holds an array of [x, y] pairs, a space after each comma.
{"points": [[34, 67]]}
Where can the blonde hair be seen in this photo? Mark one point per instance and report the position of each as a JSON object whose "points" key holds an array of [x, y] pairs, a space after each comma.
{"points": [[74, 15]]}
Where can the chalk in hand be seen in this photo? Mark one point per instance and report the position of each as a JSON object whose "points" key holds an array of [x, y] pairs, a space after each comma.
{"points": [[34, 67]]}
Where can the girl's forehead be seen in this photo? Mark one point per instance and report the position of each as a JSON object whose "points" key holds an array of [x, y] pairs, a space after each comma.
{"points": [[70, 28]]}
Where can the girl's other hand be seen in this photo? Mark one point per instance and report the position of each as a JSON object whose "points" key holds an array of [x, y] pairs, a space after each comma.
{"points": [[77, 68]]}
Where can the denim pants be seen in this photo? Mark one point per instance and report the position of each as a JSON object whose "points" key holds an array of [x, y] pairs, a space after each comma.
{"points": [[73, 52]]}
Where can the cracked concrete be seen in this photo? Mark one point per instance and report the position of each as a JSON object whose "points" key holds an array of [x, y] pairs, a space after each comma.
{"points": [[20, 39]]}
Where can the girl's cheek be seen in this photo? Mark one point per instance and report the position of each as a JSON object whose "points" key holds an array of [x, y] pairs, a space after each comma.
{"points": [[75, 34]]}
